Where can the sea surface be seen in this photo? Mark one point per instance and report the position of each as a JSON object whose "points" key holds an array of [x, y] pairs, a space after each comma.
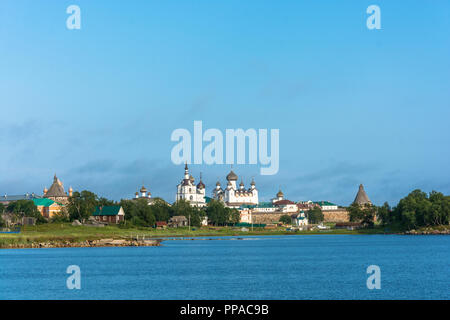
{"points": [[254, 267]]}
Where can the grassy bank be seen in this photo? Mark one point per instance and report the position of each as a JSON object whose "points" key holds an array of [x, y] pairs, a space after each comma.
{"points": [[54, 232]]}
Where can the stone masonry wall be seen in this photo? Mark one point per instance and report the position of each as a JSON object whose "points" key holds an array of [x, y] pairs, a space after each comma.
{"points": [[340, 215], [273, 217]]}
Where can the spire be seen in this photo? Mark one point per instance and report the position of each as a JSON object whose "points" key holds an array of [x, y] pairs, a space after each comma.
{"points": [[361, 197], [186, 172]]}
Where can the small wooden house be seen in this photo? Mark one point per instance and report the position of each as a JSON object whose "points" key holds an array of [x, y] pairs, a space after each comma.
{"points": [[161, 225], [178, 221], [109, 214]]}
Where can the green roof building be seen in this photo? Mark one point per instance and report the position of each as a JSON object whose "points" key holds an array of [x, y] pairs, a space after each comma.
{"points": [[109, 214]]}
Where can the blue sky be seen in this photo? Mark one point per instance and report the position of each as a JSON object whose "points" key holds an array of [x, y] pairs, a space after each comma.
{"points": [[98, 105]]}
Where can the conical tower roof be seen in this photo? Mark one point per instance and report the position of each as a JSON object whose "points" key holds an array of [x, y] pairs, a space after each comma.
{"points": [[361, 197], [56, 189]]}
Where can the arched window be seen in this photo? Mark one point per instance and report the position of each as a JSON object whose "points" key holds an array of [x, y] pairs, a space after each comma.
{"points": [[192, 198]]}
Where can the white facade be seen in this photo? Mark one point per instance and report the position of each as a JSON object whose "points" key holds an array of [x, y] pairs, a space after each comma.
{"points": [[301, 220], [326, 205], [284, 205], [245, 215], [187, 190], [234, 196]]}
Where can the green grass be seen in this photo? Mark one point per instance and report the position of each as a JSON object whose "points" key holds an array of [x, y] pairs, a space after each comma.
{"points": [[57, 232]]}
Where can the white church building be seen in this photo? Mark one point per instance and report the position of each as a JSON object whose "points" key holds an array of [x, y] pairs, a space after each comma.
{"points": [[234, 196], [187, 190]]}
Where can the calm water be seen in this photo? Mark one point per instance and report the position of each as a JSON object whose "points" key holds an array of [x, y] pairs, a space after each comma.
{"points": [[286, 267]]}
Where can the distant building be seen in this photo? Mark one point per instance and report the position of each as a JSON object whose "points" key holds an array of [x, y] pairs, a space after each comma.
{"points": [[144, 194], [326, 205], [178, 221], [299, 219], [161, 224], [57, 193], [187, 190], [284, 205], [233, 196], [7, 199], [361, 197], [109, 214], [268, 212], [47, 207]]}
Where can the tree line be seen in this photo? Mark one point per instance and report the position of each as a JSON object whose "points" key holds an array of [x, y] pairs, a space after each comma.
{"points": [[417, 209], [81, 205]]}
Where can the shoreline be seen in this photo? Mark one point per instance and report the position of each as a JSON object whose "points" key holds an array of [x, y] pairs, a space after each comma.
{"points": [[85, 244], [67, 236], [156, 241]]}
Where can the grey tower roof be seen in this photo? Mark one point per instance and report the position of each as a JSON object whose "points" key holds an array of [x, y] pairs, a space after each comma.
{"points": [[361, 197], [57, 189]]}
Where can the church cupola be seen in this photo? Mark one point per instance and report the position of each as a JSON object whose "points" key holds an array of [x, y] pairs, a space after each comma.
{"points": [[280, 195], [143, 192], [232, 176], [201, 185]]}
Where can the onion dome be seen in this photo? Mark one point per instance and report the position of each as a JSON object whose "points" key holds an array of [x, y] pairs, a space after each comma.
{"points": [[45, 190], [280, 194], [191, 178], [143, 190], [137, 193], [200, 185], [232, 176], [217, 184]]}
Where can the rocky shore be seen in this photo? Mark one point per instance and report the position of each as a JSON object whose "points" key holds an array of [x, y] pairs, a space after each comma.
{"points": [[87, 244], [427, 232]]}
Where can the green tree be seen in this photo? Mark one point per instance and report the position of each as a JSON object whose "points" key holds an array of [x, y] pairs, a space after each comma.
{"points": [[105, 202], [315, 215], [25, 208], [194, 214], [82, 205], [161, 210], [384, 214], [217, 213], [418, 209], [285, 219], [235, 216], [363, 214]]}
